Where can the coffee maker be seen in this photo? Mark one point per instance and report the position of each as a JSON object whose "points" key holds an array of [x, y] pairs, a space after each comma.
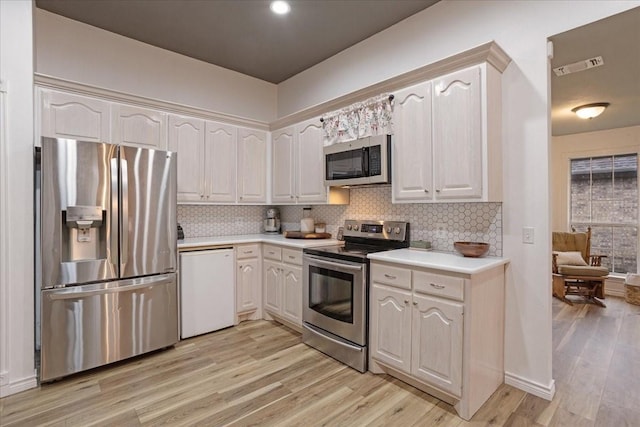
{"points": [[272, 222]]}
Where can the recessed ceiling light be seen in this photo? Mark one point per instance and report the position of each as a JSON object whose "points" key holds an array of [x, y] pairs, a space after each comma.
{"points": [[589, 111], [280, 7]]}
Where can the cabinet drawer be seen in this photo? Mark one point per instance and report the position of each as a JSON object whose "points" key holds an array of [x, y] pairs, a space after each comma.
{"points": [[393, 276], [438, 285], [247, 251], [291, 256], [272, 252]]}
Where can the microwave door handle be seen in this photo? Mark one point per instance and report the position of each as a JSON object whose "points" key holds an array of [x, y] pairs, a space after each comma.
{"points": [[365, 161]]}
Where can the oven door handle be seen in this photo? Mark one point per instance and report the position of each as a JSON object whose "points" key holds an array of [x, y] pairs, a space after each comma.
{"points": [[315, 330], [315, 260]]}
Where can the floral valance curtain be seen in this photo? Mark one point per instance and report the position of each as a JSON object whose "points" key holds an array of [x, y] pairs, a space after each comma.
{"points": [[369, 118]]}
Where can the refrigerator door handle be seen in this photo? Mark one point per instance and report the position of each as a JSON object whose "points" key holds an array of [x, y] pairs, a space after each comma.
{"points": [[108, 288], [124, 217], [114, 223]]}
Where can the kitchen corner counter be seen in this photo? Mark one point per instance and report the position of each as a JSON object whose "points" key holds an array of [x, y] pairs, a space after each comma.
{"points": [[276, 239], [439, 260]]}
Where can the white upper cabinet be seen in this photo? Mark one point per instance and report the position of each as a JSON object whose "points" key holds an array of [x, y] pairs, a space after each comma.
{"points": [[297, 170], [447, 144], [457, 135], [65, 115], [283, 166], [412, 146], [310, 186], [220, 147], [186, 137], [252, 166], [139, 127]]}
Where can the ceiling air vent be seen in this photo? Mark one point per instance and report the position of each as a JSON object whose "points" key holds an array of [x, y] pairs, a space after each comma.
{"points": [[579, 66]]}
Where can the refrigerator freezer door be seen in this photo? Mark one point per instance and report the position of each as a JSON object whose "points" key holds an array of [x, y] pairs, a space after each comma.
{"points": [[91, 325], [78, 227], [148, 212]]}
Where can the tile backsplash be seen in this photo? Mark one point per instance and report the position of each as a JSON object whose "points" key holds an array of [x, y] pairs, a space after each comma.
{"points": [[440, 223], [207, 221]]}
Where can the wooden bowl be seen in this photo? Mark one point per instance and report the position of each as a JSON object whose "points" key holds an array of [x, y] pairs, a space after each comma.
{"points": [[471, 249]]}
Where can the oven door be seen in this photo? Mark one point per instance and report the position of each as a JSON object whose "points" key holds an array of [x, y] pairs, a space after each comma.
{"points": [[335, 297]]}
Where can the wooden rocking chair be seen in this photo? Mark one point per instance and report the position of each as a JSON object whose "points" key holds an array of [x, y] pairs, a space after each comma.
{"points": [[575, 270]]}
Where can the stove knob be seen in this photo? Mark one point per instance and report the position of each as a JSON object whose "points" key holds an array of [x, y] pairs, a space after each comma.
{"points": [[389, 230], [396, 230], [355, 227], [348, 226]]}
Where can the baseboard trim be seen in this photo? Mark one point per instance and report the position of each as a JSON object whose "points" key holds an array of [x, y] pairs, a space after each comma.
{"points": [[539, 390], [18, 386]]}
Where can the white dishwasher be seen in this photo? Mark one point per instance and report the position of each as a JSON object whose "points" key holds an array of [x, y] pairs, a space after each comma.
{"points": [[207, 291]]}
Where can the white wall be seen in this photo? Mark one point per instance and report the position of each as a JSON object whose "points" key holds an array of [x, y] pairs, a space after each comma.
{"points": [[81, 53], [588, 144], [521, 28], [17, 371]]}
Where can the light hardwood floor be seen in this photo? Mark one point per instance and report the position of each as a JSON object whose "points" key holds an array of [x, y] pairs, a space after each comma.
{"points": [[259, 373]]}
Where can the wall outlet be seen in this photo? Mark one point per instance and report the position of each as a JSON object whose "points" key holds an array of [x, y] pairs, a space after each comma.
{"points": [[528, 235], [441, 230]]}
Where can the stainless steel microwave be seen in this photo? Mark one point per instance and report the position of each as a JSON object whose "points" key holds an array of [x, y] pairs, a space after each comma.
{"points": [[360, 162]]}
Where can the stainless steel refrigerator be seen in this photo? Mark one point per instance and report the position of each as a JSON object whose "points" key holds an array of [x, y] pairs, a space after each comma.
{"points": [[107, 254]]}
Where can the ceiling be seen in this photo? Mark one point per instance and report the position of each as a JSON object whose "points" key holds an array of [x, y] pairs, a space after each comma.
{"points": [[243, 35], [617, 40]]}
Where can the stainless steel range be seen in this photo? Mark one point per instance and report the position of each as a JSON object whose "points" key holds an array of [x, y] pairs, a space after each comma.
{"points": [[336, 289]]}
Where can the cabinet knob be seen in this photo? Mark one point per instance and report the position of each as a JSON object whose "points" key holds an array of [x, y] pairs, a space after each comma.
{"points": [[437, 190], [406, 301], [202, 196], [426, 191], [415, 303], [389, 276], [240, 197], [291, 196], [239, 267]]}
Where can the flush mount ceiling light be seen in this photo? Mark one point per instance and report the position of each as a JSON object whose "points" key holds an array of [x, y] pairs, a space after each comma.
{"points": [[280, 7], [589, 111]]}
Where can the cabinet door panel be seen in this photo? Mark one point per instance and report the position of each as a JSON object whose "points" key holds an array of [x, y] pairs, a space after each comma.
{"points": [[292, 294], [247, 296], [412, 145], [139, 127], [75, 117], [436, 355], [186, 137], [310, 163], [391, 326], [252, 166], [272, 278], [220, 146], [283, 166], [457, 135]]}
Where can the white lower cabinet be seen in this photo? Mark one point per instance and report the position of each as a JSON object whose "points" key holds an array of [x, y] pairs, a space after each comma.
{"points": [[282, 279], [436, 346], [390, 330], [442, 332], [248, 282]]}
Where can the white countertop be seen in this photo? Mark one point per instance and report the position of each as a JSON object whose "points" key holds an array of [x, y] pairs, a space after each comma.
{"points": [[277, 239], [439, 260]]}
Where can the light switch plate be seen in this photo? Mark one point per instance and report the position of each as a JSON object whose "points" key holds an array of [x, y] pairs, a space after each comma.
{"points": [[528, 235]]}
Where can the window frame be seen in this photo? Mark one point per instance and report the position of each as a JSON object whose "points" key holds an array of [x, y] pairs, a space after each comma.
{"points": [[592, 155]]}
